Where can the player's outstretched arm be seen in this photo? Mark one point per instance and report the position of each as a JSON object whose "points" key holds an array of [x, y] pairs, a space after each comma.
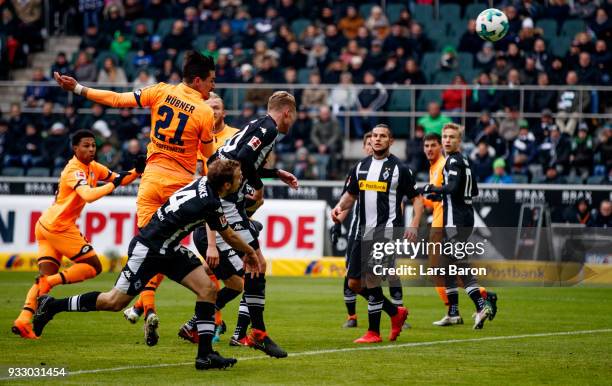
{"points": [[104, 97], [288, 178]]}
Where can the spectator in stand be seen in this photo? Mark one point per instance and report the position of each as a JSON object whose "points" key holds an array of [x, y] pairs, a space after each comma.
{"points": [[6, 141], [376, 58], [583, 9], [551, 176], [511, 97], [557, 72], [397, 38], [126, 125], [108, 155], [580, 213], [246, 115], [484, 96], [90, 9], [412, 73], [142, 60], [143, 79], [369, 100], [523, 151], [61, 65], [269, 72], [528, 74], [510, 124], [514, 21], [391, 73], [343, 97], [541, 57], [225, 36], [546, 124], [541, 99], [291, 81], [46, 119], [602, 59], [514, 56], [315, 96], [131, 153], [470, 41], [193, 25], [299, 135], [93, 41], [256, 95], [415, 157], [586, 71], [528, 35], [141, 39], [84, 70], [288, 11], [482, 161], [490, 135], [177, 40], [377, 22], [603, 217], [350, 23], [455, 100], [120, 46], [304, 166], [557, 9], [333, 71], [364, 38], [485, 57], [418, 41], [97, 114], [56, 149], [29, 148], [434, 120], [111, 74], [317, 57], [602, 25], [555, 150], [448, 60], [36, 95], [293, 56], [133, 10], [113, 19], [569, 104], [581, 157], [326, 140], [31, 23], [334, 40], [158, 54], [70, 119], [500, 70], [603, 150], [17, 121], [499, 175]]}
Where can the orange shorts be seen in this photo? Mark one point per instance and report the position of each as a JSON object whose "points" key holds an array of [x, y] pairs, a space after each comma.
{"points": [[155, 189], [69, 243]]}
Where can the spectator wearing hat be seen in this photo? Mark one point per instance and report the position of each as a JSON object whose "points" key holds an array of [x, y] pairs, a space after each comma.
{"points": [[579, 213], [603, 217], [581, 157], [120, 46], [499, 175], [56, 149], [448, 60], [482, 158]]}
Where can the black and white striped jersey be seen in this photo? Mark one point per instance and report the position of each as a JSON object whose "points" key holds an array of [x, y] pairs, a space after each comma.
{"points": [[458, 189], [381, 186], [353, 225], [192, 206]]}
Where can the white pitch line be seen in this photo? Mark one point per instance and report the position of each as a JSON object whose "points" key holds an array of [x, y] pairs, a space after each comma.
{"points": [[350, 349]]}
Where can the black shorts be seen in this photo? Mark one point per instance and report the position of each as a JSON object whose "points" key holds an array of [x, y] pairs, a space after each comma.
{"points": [[144, 263], [353, 259], [230, 261]]}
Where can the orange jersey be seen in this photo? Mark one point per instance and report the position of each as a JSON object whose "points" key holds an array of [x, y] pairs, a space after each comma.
{"points": [[435, 178], [180, 120], [68, 204], [219, 139]]}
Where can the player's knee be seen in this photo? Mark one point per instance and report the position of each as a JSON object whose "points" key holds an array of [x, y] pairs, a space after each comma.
{"points": [[207, 291], [355, 285], [95, 263], [235, 283]]}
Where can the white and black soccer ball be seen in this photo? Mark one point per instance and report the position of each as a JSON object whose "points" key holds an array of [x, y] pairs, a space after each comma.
{"points": [[492, 24]]}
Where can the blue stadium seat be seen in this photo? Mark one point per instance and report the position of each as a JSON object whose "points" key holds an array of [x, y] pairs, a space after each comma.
{"points": [[429, 64], [201, 41], [303, 74], [423, 13], [393, 11], [443, 77], [450, 12], [400, 127], [520, 179], [574, 180], [164, 27], [559, 45], [549, 26], [12, 171], [364, 10], [466, 60], [299, 25], [472, 10], [400, 100], [102, 57], [38, 172], [572, 27], [594, 180], [147, 22]]}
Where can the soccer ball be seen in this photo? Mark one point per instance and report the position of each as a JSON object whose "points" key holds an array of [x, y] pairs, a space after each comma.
{"points": [[492, 24]]}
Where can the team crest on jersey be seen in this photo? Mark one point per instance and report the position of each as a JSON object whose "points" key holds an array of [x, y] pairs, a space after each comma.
{"points": [[386, 173], [254, 143], [80, 175]]}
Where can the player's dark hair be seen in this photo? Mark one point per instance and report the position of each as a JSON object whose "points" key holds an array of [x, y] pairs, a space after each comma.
{"points": [[384, 127], [220, 172], [197, 65], [433, 137], [80, 134]]}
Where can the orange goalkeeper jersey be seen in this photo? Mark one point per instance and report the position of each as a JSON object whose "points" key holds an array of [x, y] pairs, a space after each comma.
{"points": [[219, 139], [68, 204], [436, 178]]}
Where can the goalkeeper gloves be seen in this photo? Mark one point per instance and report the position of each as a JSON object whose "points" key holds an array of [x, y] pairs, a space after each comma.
{"points": [[141, 162], [119, 179]]}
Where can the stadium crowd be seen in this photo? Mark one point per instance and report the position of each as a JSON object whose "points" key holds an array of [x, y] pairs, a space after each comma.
{"points": [[334, 46]]}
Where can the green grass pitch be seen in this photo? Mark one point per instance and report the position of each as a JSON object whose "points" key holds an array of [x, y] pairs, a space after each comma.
{"points": [[525, 344]]}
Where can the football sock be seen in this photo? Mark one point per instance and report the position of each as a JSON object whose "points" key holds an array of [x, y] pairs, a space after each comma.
{"points": [[74, 274], [205, 323], [192, 322], [243, 320], [397, 295], [214, 279], [225, 296], [375, 306], [350, 298], [453, 301], [255, 298], [147, 296], [79, 303], [30, 304], [442, 292], [474, 293], [138, 304]]}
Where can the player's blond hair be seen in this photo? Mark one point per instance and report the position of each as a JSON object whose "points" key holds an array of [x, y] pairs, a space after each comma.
{"points": [[280, 100], [454, 126]]}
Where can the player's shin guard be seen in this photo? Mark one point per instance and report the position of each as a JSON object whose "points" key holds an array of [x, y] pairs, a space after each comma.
{"points": [[375, 307], [255, 298], [243, 320], [453, 301], [74, 274], [350, 298], [474, 293], [30, 304], [204, 312]]}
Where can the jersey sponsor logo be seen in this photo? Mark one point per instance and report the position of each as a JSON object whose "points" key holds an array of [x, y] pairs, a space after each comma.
{"points": [[254, 143], [80, 175], [377, 186], [263, 130]]}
